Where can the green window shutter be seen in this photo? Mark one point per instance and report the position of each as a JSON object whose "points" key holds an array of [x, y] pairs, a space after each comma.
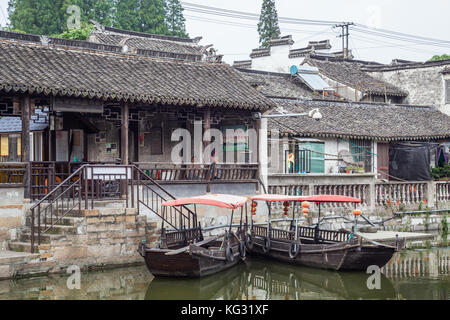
{"points": [[316, 157]]}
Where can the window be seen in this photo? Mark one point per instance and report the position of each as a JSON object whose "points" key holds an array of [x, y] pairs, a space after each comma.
{"points": [[311, 157], [447, 91], [10, 148], [362, 153]]}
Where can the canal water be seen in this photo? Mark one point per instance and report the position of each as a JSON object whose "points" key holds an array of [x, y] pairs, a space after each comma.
{"points": [[411, 274]]}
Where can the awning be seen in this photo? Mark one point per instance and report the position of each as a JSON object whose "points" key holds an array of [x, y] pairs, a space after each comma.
{"points": [[277, 198], [216, 200], [331, 198]]}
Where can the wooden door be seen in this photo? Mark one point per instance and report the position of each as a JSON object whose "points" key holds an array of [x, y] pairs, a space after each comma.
{"points": [[383, 161]]}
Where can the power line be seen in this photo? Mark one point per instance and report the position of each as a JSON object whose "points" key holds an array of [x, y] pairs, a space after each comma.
{"points": [[237, 24], [360, 28], [251, 16]]}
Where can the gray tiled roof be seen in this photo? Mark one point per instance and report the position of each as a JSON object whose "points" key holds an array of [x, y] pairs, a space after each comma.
{"points": [[171, 48], [14, 125], [349, 73], [77, 72], [281, 85], [362, 120]]}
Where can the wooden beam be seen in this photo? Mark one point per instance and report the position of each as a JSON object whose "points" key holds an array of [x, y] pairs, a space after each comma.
{"points": [[206, 141], [124, 133], [26, 109]]}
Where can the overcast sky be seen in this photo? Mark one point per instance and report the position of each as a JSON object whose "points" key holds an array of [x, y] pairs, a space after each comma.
{"points": [[418, 17]]}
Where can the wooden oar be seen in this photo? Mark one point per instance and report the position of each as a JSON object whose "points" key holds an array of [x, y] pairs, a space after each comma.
{"points": [[198, 244]]}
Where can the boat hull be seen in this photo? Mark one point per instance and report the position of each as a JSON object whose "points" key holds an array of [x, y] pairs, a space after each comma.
{"points": [[183, 264], [338, 257]]}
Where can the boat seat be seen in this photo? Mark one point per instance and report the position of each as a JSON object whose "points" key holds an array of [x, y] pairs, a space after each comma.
{"points": [[214, 248]]}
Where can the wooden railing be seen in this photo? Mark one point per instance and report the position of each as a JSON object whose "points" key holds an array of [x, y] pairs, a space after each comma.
{"points": [[183, 237], [198, 173], [303, 232], [12, 174], [47, 175], [400, 192]]}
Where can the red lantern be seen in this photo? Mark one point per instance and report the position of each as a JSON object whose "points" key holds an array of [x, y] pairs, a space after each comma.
{"points": [[357, 212], [254, 211], [286, 204], [254, 204], [306, 204], [305, 211], [305, 215]]}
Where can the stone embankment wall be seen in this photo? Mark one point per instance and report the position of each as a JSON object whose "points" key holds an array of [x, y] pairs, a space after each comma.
{"points": [[12, 208], [94, 239]]}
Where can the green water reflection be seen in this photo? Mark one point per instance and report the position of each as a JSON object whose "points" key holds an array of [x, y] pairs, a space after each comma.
{"points": [[418, 274]]}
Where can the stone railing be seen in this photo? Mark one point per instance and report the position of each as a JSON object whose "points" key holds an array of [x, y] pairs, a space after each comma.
{"points": [[401, 192], [373, 193], [442, 191]]}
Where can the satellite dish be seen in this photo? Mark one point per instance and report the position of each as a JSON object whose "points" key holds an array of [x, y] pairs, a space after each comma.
{"points": [[294, 70], [345, 158]]}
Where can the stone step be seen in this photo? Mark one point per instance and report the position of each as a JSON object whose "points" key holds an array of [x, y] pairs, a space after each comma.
{"points": [[45, 238], [18, 246], [60, 229], [111, 211], [66, 221], [13, 257]]}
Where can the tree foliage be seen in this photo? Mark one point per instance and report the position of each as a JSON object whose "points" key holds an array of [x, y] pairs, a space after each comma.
{"points": [[175, 19], [37, 17], [268, 23], [77, 34], [443, 57], [49, 17], [152, 17]]}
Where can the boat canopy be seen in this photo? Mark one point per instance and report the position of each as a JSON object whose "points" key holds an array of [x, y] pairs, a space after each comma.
{"points": [[277, 198], [216, 200], [331, 198]]}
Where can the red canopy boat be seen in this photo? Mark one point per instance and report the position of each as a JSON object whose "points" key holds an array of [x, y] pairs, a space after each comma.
{"points": [[311, 246], [184, 253]]}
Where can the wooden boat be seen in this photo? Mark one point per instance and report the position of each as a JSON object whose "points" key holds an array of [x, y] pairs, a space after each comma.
{"points": [[184, 253], [310, 246]]}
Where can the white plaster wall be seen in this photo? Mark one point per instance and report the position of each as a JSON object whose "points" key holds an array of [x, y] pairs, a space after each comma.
{"points": [[424, 85], [445, 108], [97, 151], [278, 61]]}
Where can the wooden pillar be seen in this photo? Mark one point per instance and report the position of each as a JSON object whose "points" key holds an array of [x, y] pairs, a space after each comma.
{"points": [[206, 141], [206, 128], [124, 134], [26, 109], [124, 145]]}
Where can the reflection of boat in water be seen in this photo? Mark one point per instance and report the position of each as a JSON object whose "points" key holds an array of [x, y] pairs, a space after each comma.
{"points": [[293, 282], [226, 285], [259, 280]]}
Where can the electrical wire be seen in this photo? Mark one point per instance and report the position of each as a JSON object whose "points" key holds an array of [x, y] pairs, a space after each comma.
{"points": [[358, 28]]}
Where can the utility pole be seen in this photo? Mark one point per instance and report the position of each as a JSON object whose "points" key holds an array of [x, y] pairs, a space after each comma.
{"points": [[344, 35]]}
